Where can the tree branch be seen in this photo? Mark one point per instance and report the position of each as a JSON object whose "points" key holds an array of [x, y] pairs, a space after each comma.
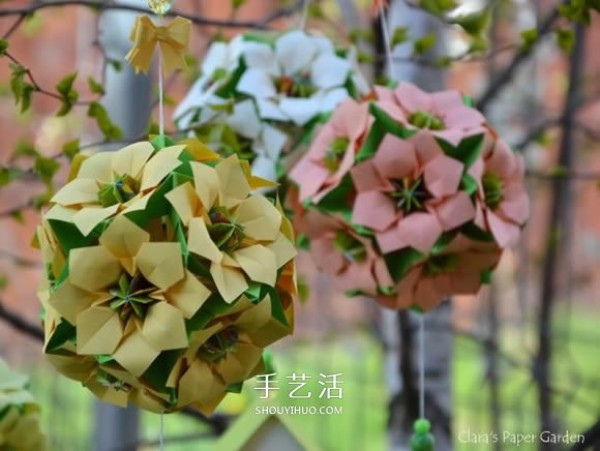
{"points": [[18, 323], [103, 6], [502, 79]]}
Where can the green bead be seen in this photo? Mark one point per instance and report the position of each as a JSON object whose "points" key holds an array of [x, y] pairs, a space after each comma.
{"points": [[422, 440], [422, 426]]}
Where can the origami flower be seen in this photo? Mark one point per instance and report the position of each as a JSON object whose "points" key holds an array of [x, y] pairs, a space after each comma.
{"points": [[503, 206], [332, 153], [442, 113], [128, 296], [238, 233], [267, 92], [111, 182], [456, 270], [408, 193], [19, 414], [183, 250], [349, 258]]}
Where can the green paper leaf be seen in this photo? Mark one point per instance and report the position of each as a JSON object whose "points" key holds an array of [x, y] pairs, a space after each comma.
{"points": [[63, 333], [235, 388], [399, 262], [303, 242], [467, 151]]}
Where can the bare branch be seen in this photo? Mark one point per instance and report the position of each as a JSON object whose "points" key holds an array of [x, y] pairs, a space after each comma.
{"points": [[18, 323]]}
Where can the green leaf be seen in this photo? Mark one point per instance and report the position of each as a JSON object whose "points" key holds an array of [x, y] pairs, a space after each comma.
{"points": [[45, 168], [115, 64], [236, 4], [65, 85], [475, 23], [95, 87], [3, 47], [8, 175], [400, 35], [70, 149], [108, 128], [479, 44], [424, 43], [437, 7], [528, 39], [24, 149], [565, 39], [68, 95], [20, 88]]}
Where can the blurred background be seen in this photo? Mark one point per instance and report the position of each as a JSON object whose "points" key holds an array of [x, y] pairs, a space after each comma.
{"points": [[523, 356]]}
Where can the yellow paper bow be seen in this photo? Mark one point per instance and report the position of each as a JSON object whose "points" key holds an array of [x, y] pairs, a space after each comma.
{"points": [[172, 40]]}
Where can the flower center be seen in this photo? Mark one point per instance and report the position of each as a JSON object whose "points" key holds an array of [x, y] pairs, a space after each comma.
{"points": [[335, 153], [218, 345], [492, 190], [353, 250], [409, 195], [421, 119], [120, 191], [131, 296], [440, 264], [224, 232], [298, 86]]}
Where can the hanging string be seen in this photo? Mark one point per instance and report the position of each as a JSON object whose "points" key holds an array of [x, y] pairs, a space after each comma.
{"points": [[304, 16], [161, 108], [161, 435], [422, 366], [387, 42]]}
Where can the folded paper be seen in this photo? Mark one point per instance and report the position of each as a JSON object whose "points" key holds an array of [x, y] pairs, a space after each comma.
{"points": [[408, 197], [166, 275], [19, 414], [260, 96]]}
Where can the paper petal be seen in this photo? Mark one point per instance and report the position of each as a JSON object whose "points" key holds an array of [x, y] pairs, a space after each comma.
{"points": [[259, 218], [329, 71], [229, 281], [374, 209], [234, 186], [259, 263], [164, 327], [420, 231], [455, 211], [160, 263], [206, 182], [78, 191], [99, 331], [88, 218], [162, 164], [135, 354], [131, 159], [93, 268], [185, 202], [123, 238], [442, 175], [200, 242], [188, 295]]}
